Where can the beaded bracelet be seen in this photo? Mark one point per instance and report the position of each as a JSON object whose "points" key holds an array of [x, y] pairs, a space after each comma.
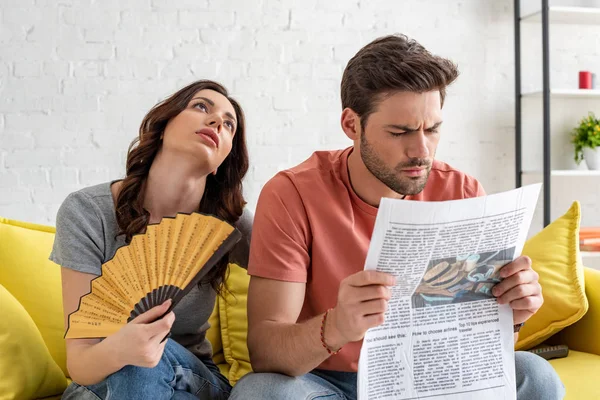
{"points": [[331, 352]]}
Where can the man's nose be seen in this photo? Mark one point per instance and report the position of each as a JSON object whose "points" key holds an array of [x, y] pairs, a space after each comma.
{"points": [[417, 145]]}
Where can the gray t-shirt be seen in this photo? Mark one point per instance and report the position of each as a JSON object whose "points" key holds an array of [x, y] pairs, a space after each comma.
{"points": [[86, 227]]}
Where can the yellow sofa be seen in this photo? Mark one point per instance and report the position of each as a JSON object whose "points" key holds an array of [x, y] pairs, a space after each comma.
{"points": [[28, 276], [34, 282]]}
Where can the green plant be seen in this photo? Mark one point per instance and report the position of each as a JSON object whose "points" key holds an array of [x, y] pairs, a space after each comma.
{"points": [[587, 134]]}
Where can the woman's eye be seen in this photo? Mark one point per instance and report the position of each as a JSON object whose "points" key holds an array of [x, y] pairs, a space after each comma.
{"points": [[230, 125], [201, 106]]}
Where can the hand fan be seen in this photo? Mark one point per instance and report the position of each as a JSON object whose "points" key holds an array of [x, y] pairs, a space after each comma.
{"points": [[165, 262]]}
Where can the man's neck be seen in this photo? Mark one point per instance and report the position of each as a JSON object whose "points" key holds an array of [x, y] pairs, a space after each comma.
{"points": [[365, 184]]}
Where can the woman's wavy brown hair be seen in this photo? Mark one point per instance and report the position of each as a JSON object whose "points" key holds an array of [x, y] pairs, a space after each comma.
{"points": [[223, 195]]}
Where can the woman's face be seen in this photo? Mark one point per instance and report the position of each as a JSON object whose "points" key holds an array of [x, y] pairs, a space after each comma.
{"points": [[204, 131]]}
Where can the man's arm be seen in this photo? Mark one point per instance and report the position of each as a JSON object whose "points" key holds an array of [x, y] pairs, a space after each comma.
{"points": [[277, 343]]}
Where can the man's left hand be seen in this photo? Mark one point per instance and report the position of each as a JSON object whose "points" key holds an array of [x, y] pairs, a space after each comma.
{"points": [[520, 289]]}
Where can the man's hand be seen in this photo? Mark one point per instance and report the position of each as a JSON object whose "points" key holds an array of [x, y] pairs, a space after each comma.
{"points": [[362, 302], [520, 289]]}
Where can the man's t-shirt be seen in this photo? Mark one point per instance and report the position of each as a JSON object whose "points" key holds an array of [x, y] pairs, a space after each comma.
{"points": [[311, 227]]}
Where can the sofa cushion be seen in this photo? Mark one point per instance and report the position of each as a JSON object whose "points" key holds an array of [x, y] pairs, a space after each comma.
{"points": [[583, 336], [27, 369], [214, 337], [33, 280], [579, 372], [234, 323], [555, 257]]}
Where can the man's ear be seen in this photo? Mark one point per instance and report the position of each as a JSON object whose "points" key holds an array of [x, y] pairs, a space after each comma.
{"points": [[351, 124]]}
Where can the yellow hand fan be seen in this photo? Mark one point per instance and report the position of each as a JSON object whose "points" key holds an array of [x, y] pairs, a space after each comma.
{"points": [[165, 262]]}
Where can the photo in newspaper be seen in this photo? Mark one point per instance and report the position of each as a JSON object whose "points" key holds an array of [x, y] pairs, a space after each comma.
{"points": [[462, 278], [445, 336]]}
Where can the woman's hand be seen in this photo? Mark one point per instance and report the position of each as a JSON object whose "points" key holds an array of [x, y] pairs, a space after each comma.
{"points": [[140, 342]]}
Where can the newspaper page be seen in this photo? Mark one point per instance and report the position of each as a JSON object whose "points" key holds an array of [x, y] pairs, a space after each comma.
{"points": [[445, 336]]}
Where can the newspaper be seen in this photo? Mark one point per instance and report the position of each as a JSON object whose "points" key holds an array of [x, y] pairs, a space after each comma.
{"points": [[445, 336]]}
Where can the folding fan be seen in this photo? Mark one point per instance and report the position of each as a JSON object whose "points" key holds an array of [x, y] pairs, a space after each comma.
{"points": [[165, 262]]}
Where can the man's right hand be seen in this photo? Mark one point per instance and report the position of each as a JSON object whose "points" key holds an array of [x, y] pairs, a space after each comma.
{"points": [[140, 342], [362, 302]]}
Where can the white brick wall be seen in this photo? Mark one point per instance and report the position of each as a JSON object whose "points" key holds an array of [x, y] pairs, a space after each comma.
{"points": [[77, 76]]}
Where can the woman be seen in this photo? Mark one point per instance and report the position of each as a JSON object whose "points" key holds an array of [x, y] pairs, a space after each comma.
{"points": [[190, 156]]}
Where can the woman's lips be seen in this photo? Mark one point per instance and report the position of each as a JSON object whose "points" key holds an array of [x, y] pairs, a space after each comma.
{"points": [[210, 135]]}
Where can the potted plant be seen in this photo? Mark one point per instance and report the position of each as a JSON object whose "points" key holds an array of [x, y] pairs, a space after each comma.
{"points": [[586, 138]]}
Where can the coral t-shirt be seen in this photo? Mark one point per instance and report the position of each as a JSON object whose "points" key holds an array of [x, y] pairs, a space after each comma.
{"points": [[311, 227]]}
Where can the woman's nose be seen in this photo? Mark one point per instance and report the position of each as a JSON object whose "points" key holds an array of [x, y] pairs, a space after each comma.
{"points": [[215, 121]]}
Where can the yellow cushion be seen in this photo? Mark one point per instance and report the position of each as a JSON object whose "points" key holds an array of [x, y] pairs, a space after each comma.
{"points": [[555, 256], [27, 369], [234, 323], [214, 337], [34, 280], [583, 336], [579, 373], [214, 332]]}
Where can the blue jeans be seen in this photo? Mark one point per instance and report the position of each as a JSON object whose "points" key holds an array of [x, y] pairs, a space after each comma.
{"points": [[536, 379], [178, 375]]}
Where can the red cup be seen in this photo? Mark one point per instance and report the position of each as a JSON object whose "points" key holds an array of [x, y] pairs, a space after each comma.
{"points": [[585, 80]]}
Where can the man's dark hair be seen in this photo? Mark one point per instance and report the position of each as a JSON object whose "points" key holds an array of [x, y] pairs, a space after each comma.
{"points": [[390, 64]]}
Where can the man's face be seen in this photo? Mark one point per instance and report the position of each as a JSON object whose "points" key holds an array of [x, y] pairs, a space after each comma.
{"points": [[400, 138]]}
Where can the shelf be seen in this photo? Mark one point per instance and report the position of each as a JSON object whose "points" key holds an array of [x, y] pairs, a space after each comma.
{"points": [[567, 93], [590, 254], [567, 15], [566, 172]]}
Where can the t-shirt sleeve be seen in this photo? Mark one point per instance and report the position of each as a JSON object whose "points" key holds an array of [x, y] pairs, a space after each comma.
{"points": [[472, 188], [78, 243], [281, 233]]}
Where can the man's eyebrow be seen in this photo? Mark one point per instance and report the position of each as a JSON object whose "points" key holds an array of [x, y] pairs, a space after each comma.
{"points": [[407, 128], [212, 103], [436, 125]]}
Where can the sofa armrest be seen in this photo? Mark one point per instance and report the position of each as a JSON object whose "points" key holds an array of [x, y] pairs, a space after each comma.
{"points": [[583, 335]]}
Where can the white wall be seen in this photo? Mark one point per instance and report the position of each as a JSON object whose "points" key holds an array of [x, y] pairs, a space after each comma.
{"points": [[77, 76]]}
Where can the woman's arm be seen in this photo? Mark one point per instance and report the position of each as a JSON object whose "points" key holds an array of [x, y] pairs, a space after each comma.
{"points": [[89, 361], [140, 342]]}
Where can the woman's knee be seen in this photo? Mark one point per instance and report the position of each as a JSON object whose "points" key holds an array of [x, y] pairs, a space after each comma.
{"points": [[136, 382], [78, 392], [536, 379]]}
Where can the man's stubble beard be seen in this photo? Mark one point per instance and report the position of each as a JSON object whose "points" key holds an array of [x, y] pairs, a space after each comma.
{"points": [[389, 177]]}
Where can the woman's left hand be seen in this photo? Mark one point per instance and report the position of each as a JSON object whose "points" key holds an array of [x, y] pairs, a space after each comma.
{"points": [[519, 288]]}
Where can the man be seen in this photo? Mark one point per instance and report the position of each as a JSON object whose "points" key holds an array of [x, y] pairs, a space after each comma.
{"points": [[310, 302]]}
